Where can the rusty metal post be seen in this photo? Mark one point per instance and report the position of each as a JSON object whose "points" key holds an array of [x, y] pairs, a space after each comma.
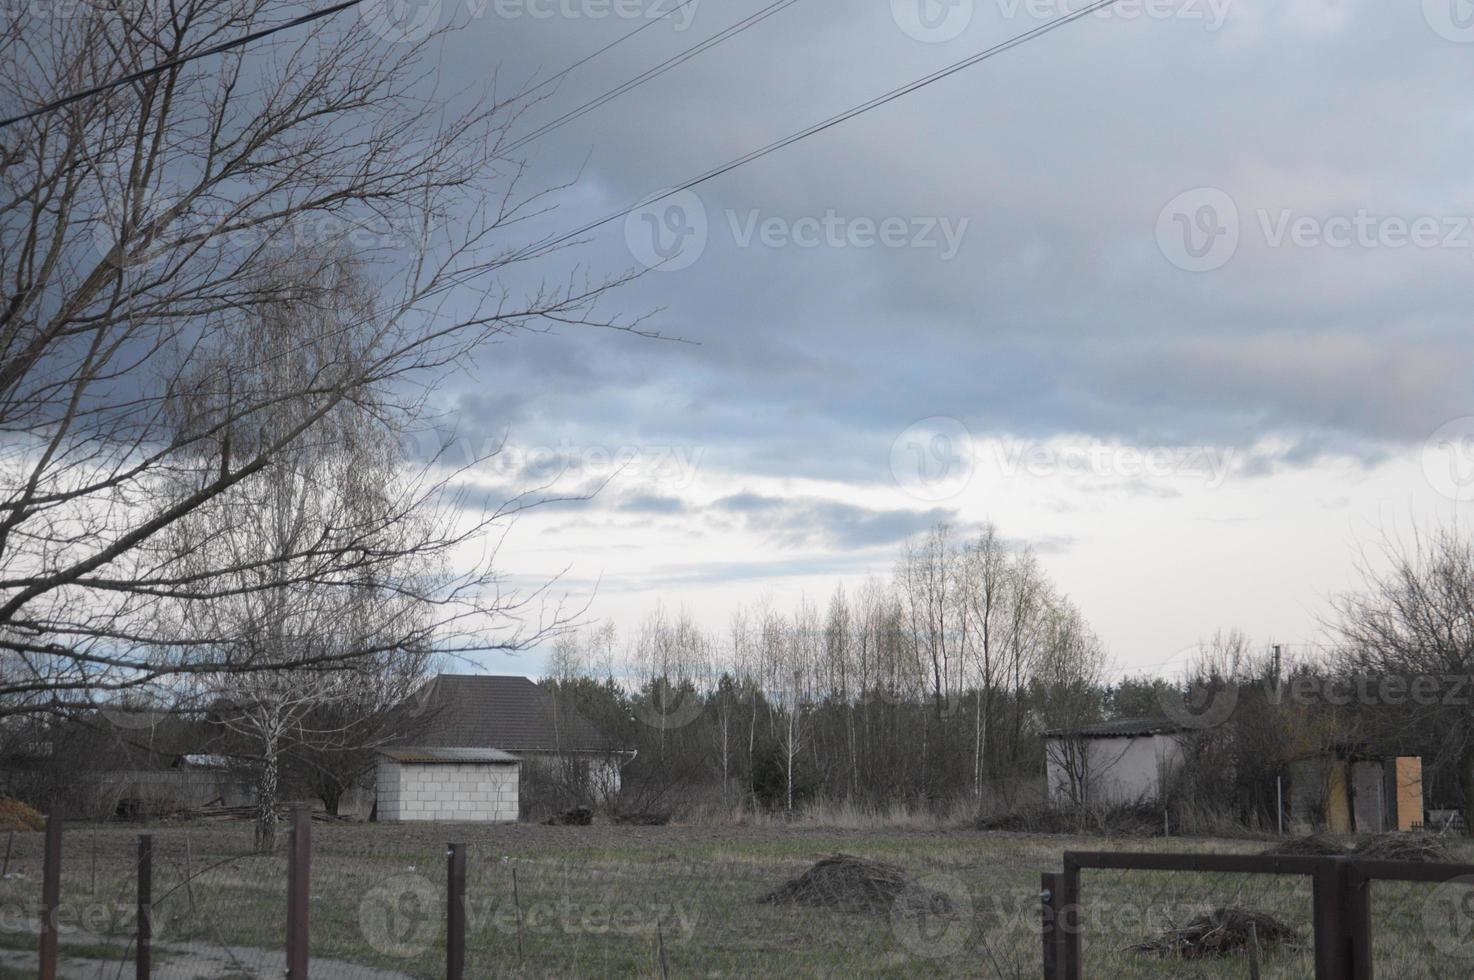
{"points": [[299, 876], [144, 939], [455, 912], [50, 896]]}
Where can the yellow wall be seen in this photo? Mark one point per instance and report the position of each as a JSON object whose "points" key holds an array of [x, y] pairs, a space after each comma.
{"points": [[1409, 792], [1338, 809]]}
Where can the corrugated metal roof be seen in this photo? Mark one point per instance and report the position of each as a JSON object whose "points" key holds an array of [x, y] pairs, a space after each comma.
{"points": [[450, 755], [491, 711]]}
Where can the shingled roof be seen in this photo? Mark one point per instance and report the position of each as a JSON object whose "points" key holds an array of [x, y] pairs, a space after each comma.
{"points": [[499, 712]]}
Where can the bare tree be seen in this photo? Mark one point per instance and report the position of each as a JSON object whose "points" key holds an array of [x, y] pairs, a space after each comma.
{"points": [[1415, 622], [134, 225]]}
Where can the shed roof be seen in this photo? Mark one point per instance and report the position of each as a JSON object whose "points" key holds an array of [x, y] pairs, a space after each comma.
{"points": [[490, 711], [1119, 728], [440, 755]]}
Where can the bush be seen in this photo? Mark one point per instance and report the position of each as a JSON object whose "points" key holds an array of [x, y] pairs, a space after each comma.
{"points": [[15, 815]]}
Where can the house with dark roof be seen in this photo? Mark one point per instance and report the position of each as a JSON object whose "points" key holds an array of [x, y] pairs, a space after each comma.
{"points": [[470, 737], [1125, 761]]}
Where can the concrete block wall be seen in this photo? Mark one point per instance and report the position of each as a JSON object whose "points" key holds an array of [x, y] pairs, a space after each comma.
{"points": [[465, 792]]}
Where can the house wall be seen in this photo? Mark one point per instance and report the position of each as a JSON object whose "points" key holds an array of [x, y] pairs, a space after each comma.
{"points": [[1117, 770], [462, 792], [600, 772]]}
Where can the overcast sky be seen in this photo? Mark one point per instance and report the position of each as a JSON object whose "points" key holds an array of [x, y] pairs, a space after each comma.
{"points": [[1177, 293]]}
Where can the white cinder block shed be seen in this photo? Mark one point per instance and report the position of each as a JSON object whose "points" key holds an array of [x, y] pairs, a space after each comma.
{"points": [[470, 785]]}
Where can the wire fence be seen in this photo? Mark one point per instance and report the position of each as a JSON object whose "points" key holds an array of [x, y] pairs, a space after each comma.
{"points": [[1195, 924], [391, 902], [1218, 915]]}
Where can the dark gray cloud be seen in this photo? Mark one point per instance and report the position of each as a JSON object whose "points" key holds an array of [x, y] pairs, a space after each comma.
{"points": [[1059, 314]]}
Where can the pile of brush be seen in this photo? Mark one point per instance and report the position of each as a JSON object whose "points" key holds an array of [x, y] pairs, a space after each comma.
{"points": [[1405, 846], [1315, 845], [853, 884], [1226, 931]]}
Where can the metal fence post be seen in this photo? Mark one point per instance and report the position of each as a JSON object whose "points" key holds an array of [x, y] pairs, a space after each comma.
{"points": [[1329, 918], [1068, 892], [50, 896], [1358, 902], [299, 875], [1049, 912], [144, 939], [455, 912]]}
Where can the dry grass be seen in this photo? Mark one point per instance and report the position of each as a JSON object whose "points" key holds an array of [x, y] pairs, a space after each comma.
{"points": [[684, 900]]}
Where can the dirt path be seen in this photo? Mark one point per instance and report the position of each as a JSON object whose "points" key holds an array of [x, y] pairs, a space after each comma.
{"points": [[194, 961]]}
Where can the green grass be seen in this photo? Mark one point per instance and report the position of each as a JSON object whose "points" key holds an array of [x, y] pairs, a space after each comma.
{"points": [[645, 902]]}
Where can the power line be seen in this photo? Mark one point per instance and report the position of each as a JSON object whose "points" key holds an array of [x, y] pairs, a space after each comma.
{"points": [[164, 66], [655, 72], [617, 41], [297, 22], [835, 120]]}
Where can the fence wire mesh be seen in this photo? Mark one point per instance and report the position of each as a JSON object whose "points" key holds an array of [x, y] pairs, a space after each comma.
{"points": [[1422, 929], [681, 902], [1141, 924]]}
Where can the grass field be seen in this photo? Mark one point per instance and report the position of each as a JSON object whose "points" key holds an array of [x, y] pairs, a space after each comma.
{"points": [[675, 901]]}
